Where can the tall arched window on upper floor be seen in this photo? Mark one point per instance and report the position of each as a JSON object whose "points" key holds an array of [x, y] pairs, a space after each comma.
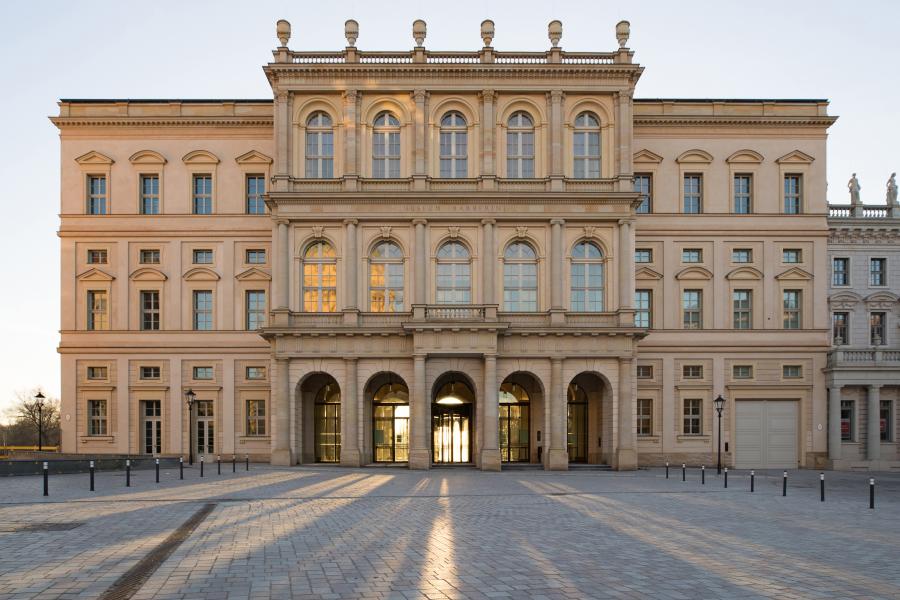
{"points": [[586, 146], [454, 145], [519, 278], [587, 278], [520, 146], [319, 146], [386, 278], [386, 146], [319, 278], [454, 274]]}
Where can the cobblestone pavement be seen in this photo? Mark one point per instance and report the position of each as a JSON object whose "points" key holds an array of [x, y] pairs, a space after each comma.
{"points": [[454, 533]]}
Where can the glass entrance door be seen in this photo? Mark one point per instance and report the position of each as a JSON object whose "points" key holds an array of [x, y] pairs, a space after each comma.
{"points": [[151, 427], [576, 440], [514, 423], [328, 424], [450, 427], [206, 427], [391, 433]]}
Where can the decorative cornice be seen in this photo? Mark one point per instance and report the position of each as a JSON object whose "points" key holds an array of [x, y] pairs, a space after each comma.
{"points": [[162, 122], [867, 233], [694, 121]]}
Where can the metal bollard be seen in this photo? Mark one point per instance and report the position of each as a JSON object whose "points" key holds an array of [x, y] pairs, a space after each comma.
{"points": [[91, 469], [871, 492], [683, 472], [219, 464], [201, 465], [702, 474], [127, 472], [752, 474], [46, 479], [157, 470], [233, 463], [180, 467], [667, 470], [247, 460], [784, 485], [726, 478], [822, 487]]}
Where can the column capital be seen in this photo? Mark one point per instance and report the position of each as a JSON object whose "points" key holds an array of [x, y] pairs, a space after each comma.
{"points": [[556, 95], [282, 222], [281, 95], [351, 359], [875, 386], [351, 222], [419, 95], [557, 221], [487, 95], [626, 221], [556, 359], [350, 95], [420, 221], [488, 221]]}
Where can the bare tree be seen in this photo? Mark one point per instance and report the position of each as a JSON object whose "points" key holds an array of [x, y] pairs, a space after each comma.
{"points": [[24, 417]]}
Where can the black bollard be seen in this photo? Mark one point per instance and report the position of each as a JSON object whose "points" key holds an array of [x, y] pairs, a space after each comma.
{"points": [[91, 470], [180, 467], [726, 478], [219, 464], [871, 492], [201, 465], [752, 474], [46, 479], [127, 472], [784, 485], [157, 470], [247, 460], [683, 472], [233, 463], [822, 487], [702, 474]]}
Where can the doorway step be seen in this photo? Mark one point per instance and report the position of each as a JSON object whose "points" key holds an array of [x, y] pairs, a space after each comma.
{"points": [[521, 466], [588, 467]]}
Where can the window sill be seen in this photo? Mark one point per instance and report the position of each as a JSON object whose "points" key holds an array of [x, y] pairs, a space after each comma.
{"points": [[98, 438], [648, 439], [682, 437], [243, 439]]}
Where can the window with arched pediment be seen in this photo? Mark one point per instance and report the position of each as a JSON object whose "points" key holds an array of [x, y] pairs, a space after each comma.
{"points": [[319, 278], [520, 278], [386, 146], [319, 146], [386, 278], [520, 146], [587, 278], [454, 274], [586, 146], [454, 145]]}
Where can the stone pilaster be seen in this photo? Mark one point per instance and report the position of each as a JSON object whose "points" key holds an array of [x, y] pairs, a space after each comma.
{"points": [[349, 401], [490, 447], [625, 458], [420, 97], [351, 136], [420, 259], [351, 267], [488, 263], [420, 409], [873, 430], [558, 458], [834, 423], [282, 281], [557, 270], [488, 163], [626, 273], [281, 421], [556, 98]]}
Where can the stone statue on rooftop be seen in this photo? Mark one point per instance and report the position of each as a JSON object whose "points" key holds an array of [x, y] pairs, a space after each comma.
{"points": [[854, 187], [891, 197]]}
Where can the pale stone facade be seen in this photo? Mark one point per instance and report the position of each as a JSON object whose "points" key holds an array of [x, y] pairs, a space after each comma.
{"points": [[451, 242]]}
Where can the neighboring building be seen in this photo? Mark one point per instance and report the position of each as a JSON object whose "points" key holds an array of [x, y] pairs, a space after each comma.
{"points": [[863, 373], [476, 257]]}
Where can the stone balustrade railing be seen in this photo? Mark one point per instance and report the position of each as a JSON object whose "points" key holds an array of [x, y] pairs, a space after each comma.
{"points": [[863, 211], [484, 56], [860, 358], [473, 184]]}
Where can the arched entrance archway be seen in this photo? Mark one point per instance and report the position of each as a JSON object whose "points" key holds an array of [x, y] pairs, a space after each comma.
{"points": [[520, 414], [452, 420], [588, 419], [320, 403], [390, 418]]}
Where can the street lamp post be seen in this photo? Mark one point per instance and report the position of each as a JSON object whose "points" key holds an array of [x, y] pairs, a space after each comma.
{"points": [[720, 404], [190, 395], [39, 402]]}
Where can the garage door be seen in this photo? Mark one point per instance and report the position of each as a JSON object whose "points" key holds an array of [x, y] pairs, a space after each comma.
{"points": [[766, 434]]}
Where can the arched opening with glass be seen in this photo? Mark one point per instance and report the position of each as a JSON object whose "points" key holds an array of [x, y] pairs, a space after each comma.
{"points": [[588, 419], [319, 398], [452, 422], [390, 421], [515, 423]]}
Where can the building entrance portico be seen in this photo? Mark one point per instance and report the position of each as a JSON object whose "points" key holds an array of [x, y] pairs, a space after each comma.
{"points": [[452, 420]]}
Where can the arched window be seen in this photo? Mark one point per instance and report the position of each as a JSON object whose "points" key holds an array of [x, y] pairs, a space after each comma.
{"points": [[386, 278], [453, 145], [319, 146], [587, 278], [454, 279], [520, 278], [386, 146], [319, 278], [520, 146], [586, 146]]}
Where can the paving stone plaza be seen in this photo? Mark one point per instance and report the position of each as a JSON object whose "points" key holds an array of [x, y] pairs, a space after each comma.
{"points": [[394, 533]]}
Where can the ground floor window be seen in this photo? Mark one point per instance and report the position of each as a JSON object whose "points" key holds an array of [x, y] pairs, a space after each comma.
{"points": [[644, 416], [886, 420], [97, 417], [848, 420], [256, 417], [206, 427], [693, 416]]}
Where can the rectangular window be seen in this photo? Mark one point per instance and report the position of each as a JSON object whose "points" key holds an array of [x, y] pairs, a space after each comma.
{"points": [[742, 371], [645, 371], [840, 271], [693, 194], [149, 257], [839, 329], [876, 328], [150, 372], [96, 417], [643, 255], [203, 257], [644, 416], [885, 418], [203, 310], [643, 184], [848, 420], [150, 310], [693, 417], [96, 257], [203, 373], [743, 194], [256, 257], [256, 309], [202, 195], [255, 373], [692, 371], [792, 311], [691, 255], [793, 194], [149, 194], [791, 256], [743, 309], [742, 255], [97, 372], [643, 308], [256, 417], [256, 187], [98, 310], [692, 308], [791, 371], [96, 200], [877, 272]]}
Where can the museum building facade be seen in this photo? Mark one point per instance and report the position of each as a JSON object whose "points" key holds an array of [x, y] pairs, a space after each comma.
{"points": [[425, 258]]}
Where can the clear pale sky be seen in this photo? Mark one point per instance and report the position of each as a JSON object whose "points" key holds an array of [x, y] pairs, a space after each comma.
{"points": [[844, 51]]}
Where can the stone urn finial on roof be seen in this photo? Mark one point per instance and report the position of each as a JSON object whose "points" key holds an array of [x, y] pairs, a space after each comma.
{"points": [[554, 32], [283, 31], [487, 32], [623, 32], [419, 31], [351, 31]]}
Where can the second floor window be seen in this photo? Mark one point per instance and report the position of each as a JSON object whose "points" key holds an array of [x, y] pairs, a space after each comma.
{"points": [[454, 279], [203, 373], [743, 309], [586, 146], [256, 187], [742, 255], [150, 310], [519, 278], [877, 272], [150, 372], [643, 308], [792, 309], [149, 194], [202, 195], [96, 195], [319, 146], [692, 309], [96, 257], [791, 256], [587, 278], [386, 278], [386, 146], [839, 328], [876, 328], [743, 190], [520, 146], [454, 145], [793, 198], [319, 278], [692, 255], [203, 310], [643, 255], [256, 309], [742, 371], [693, 194], [840, 271], [97, 310], [149, 256], [643, 184]]}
